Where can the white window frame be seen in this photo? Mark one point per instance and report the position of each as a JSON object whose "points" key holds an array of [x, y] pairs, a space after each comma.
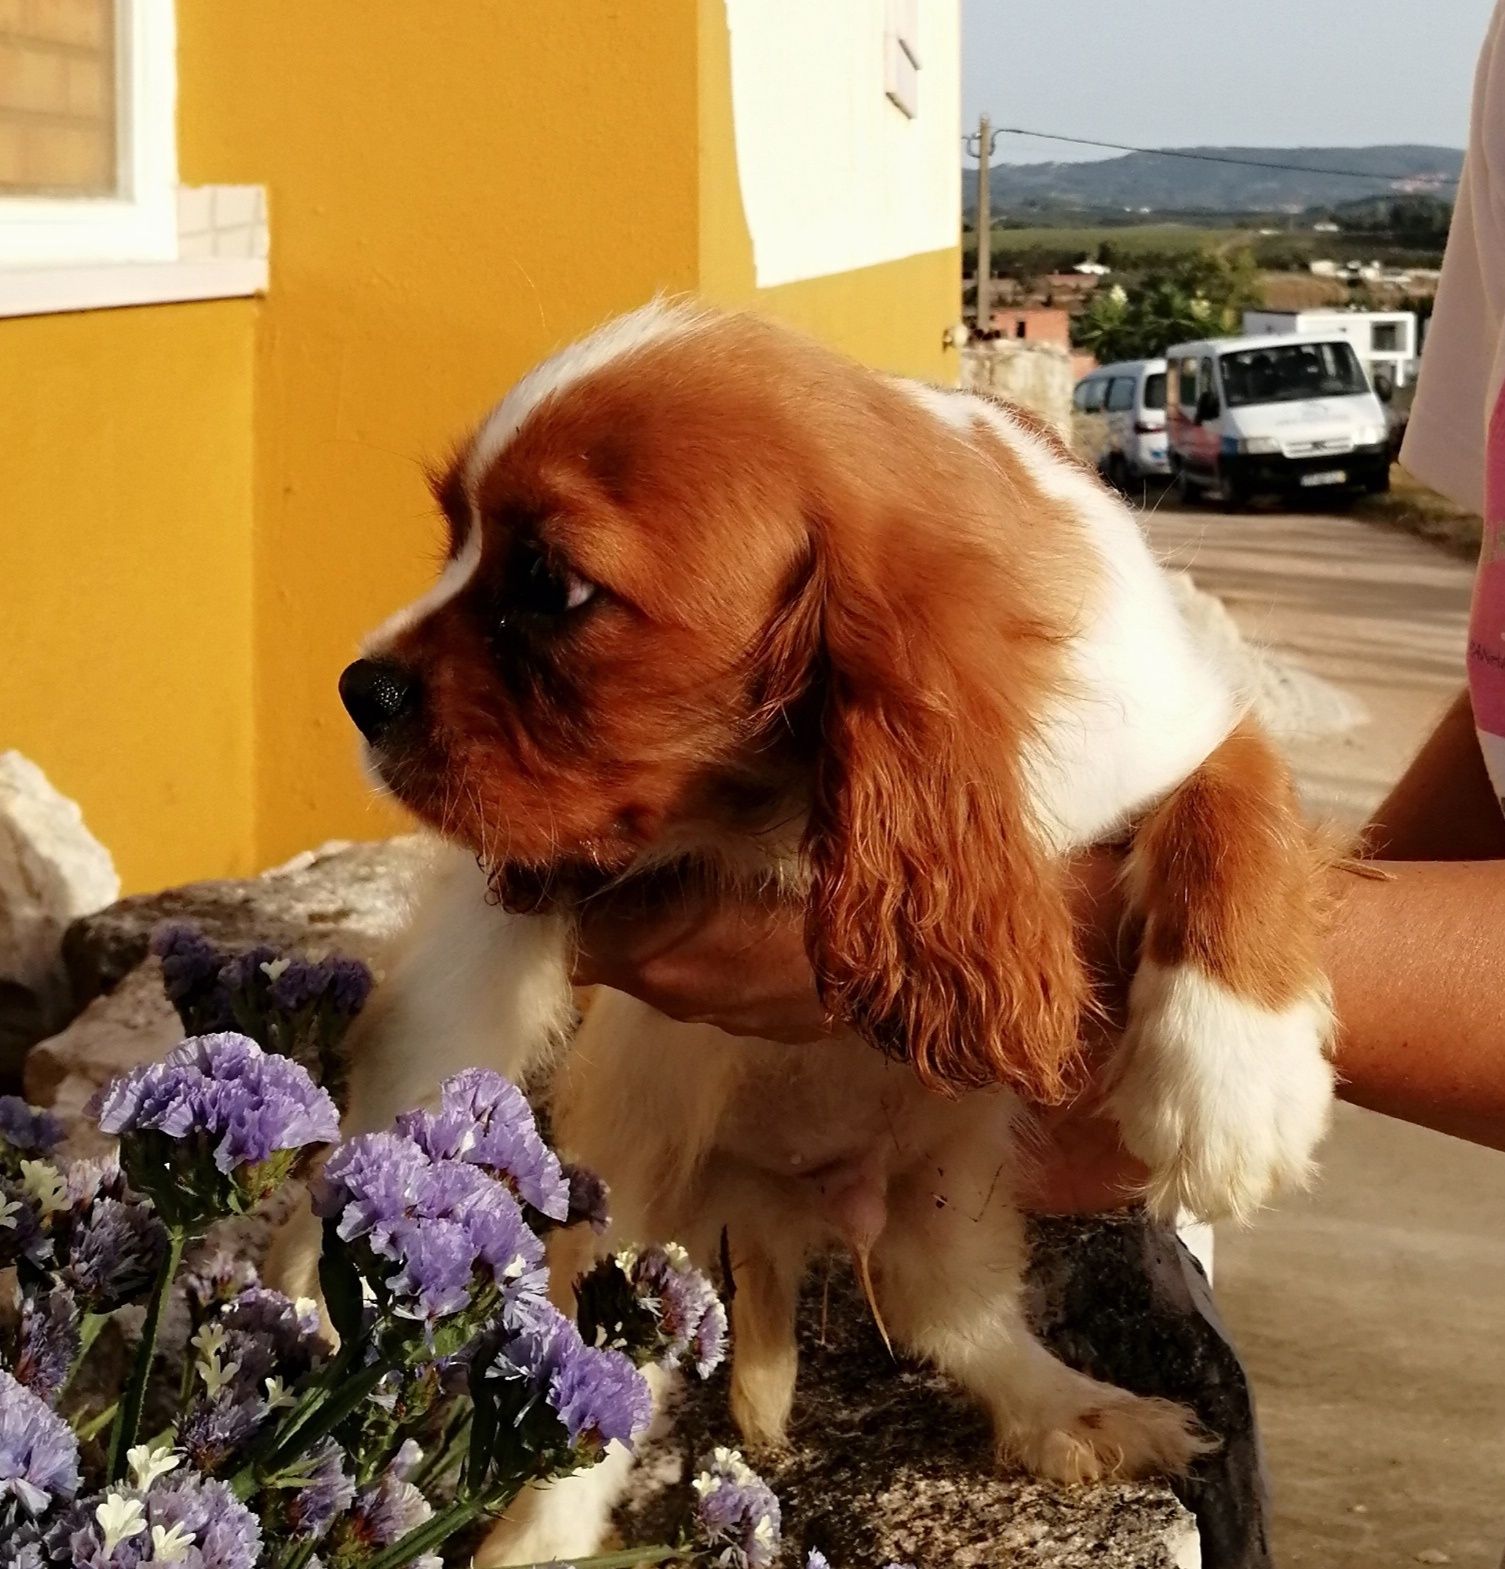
{"points": [[140, 224]]}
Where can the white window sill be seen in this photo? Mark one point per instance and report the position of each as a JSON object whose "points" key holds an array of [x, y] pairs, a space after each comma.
{"points": [[44, 291]]}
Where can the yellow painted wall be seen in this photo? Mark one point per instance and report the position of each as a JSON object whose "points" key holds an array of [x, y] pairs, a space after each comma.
{"points": [[203, 507], [453, 190], [125, 561]]}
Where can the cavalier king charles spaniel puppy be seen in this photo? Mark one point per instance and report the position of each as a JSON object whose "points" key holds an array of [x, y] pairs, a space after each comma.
{"points": [[722, 605]]}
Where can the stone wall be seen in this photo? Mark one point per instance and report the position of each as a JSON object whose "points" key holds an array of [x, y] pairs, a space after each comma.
{"points": [[1037, 376]]}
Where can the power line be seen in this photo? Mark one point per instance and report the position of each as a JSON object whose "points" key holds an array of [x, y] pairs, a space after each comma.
{"points": [[1245, 163]]}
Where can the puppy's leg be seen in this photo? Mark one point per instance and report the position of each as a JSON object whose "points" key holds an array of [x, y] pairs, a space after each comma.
{"points": [[1223, 1085], [467, 985], [765, 1351], [948, 1273]]}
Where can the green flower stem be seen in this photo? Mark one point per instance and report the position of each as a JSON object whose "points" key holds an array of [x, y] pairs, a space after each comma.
{"points": [[328, 1416], [89, 1327], [276, 1436], [98, 1422], [445, 1455], [296, 1554], [133, 1401], [626, 1558]]}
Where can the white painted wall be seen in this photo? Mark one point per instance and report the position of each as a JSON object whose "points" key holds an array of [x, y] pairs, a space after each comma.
{"points": [[835, 176]]}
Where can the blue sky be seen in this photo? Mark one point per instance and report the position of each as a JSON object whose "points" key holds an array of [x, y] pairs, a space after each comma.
{"points": [[1259, 73]]}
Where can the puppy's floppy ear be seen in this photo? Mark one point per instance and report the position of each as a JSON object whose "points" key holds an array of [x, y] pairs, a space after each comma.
{"points": [[937, 921]]}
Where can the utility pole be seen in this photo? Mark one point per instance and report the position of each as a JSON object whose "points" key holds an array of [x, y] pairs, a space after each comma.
{"points": [[980, 146]]}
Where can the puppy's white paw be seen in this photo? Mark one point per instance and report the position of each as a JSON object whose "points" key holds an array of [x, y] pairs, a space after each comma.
{"points": [[1224, 1101], [1117, 1435]]}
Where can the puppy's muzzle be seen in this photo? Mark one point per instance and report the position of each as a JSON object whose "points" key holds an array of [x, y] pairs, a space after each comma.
{"points": [[378, 694]]}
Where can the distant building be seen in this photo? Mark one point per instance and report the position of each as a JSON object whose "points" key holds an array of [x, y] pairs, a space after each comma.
{"points": [[1034, 324], [1384, 340]]}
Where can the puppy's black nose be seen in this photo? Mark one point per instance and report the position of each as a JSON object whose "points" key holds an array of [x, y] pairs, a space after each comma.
{"points": [[376, 694]]}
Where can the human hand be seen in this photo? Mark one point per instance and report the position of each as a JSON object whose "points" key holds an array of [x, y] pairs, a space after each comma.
{"points": [[742, 967]]}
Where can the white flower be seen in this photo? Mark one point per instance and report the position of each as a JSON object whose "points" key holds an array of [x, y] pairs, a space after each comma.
{"points": [[1118, 294], [277, 1395], [678, 1258], [9, 1209], [149, 1461], [273, 968], [305, 1307], [120, 1518], [42, 1182], [170, 1546], [210, 1342]]}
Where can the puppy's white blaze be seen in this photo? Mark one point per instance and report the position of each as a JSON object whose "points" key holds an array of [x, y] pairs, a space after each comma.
{"points": [[649, 324], [1224, 1101], [1146, 705], [457, 572]]}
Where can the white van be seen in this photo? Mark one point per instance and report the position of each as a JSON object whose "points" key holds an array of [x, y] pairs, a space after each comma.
{"points": [[1131, 398], [1251, 416]]}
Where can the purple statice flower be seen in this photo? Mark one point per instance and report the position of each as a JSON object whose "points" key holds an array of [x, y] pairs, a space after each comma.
{"points": [[26, 1129], [588, 1198], [38, 1453], [655, 1306], [382, 1514], [191, 977], [270, 1336], [736, 1513], [485, 1120], [47, 1342], [212, 1276], [184, 1519], [597, 1396], [325, 1493], [691, 1319], [113, 1253], [238, 1112], [341, 985], [213, 1432], [433, 1229]]}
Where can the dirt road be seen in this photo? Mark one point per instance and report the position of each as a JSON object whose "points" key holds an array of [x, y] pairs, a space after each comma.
{"points": [[1371, 1313]]}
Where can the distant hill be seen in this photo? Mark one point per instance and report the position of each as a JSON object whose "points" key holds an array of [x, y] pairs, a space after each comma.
{"points": [[1156, 181]]}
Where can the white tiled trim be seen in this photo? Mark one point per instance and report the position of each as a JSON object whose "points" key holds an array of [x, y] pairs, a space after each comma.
{"points": [[222, 254]]}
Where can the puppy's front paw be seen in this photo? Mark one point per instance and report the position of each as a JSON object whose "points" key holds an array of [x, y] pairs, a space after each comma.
{"points": [[1120, 1435], [1224, 1101]]}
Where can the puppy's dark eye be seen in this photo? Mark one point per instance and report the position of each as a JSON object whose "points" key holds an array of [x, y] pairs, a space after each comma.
{"points": [[541, 587]]}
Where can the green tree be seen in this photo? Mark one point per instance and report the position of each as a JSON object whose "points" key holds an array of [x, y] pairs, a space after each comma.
{"points": [[1202, 295]]}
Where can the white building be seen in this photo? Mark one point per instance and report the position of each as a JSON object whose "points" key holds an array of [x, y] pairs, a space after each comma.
{"points": [[1384, 340]]}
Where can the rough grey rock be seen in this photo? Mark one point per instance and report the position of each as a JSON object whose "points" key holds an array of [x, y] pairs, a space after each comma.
{"points": [[52, 869], [887, 1461], [350, 896], [345, 897]]}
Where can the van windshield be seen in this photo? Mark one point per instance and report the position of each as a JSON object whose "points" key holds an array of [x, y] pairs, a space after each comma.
{"points": [[1154, 390], [1290, 371]]}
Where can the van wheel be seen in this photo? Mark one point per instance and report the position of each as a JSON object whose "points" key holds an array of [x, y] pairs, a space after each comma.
{"points": [[1378, 485], [1117, 473], [1186, 488]]}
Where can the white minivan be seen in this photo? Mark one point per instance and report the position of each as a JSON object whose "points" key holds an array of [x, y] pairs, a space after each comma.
{"points": [[1131, 398], [1262, 415]]}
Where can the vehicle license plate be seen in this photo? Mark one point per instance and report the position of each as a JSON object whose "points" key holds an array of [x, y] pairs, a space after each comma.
{"points": [[1326, 477]]}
